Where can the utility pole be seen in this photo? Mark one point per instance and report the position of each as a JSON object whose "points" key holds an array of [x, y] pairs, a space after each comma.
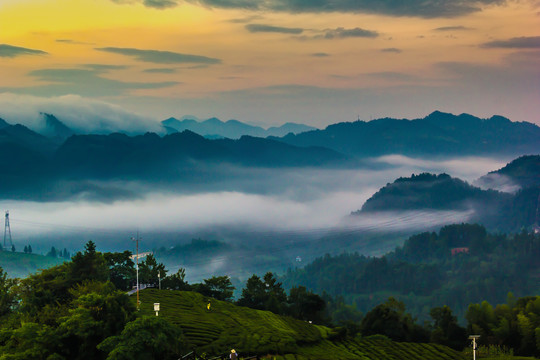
{"points": [[7, 231], [137, 266]]}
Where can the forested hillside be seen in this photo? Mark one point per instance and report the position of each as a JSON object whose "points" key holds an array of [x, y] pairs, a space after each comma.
{"points": [[460, 264], [80, 310], [438, 134], [507, 200], [75, 311]]}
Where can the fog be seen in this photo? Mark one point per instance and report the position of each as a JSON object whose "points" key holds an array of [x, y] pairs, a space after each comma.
{"points": [[310, 202], [82, 115]]}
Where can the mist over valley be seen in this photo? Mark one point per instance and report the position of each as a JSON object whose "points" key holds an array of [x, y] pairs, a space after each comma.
{"points": [[271, 202]]}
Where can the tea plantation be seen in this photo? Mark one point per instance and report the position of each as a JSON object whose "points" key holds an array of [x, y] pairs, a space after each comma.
{"points": [[253, 332]]}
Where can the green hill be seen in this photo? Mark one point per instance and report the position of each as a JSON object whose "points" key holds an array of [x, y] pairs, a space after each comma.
{"points": [[253, 332], [20, 265]]}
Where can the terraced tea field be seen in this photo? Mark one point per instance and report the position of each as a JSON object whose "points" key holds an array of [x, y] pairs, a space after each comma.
{"points": [[252, 332]]}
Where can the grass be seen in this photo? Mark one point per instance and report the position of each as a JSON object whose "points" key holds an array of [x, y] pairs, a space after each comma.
{"points": [[252, 332], [20, 265]]}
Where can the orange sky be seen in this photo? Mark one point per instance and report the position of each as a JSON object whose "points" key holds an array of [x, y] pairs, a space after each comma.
{"points": [[276, 64]]}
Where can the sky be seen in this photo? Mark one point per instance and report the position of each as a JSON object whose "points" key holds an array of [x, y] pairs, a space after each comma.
{"points": [[268, 62]]}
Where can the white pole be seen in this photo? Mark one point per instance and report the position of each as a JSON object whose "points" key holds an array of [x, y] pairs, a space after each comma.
{"points": [[474, 349]]}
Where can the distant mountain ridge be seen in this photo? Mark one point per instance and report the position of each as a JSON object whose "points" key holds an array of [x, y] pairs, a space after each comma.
{"points": [[232, 129], [118, 154], [55, 129], [438, 134], [495, 209], [523, 172]]}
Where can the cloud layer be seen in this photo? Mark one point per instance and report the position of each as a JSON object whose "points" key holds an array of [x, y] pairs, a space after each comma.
{"points": [[524, 42], [14, 51], [274, 29], [80, 114], [87, 81], [161, 57], [417, 8]]}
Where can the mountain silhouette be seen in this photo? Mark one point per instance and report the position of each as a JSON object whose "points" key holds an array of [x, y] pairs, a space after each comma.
{"points": [[232, 129], [438, 134]]}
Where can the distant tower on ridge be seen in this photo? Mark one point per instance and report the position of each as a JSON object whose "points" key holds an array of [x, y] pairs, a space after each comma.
{"points": [[7, 232]]}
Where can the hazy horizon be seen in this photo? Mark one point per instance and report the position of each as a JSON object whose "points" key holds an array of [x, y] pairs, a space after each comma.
{"points": [[264, 200], [271, 62]]}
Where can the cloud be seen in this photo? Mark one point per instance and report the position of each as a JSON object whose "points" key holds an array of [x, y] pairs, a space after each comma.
{"points": [[80, 114], [160, 71], [160, 57], [86, 82], [391, 50], [156, 4], [105, 67], [524, 42], [73, 42], [416, 8], [320, 54], [244, 20], [14, 51], [451, 28], [392, 75], [287, 203], [466, 168], [160, 4], [253, 28], [348, 33]]}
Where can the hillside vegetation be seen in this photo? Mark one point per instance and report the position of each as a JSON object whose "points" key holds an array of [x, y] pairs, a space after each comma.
{"points": [[19, 265], [254, 332], [509, 210], [438, 134], [425, 273]]}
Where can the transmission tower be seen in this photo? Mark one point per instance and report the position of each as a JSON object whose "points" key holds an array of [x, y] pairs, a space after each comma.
{"points": [[7, 232]]}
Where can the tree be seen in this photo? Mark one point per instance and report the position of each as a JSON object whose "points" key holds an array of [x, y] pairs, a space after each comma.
{"points": [[98, 311], [29, 249], [88, 265], [29, 341], [218, 287], [390, 319], [446, 330], [149, 270], [253, 294], [305, 305], [176, 281], [148, 337], [53, 253], [12, 248], [8, 297], [264, 295], [121, 269]]}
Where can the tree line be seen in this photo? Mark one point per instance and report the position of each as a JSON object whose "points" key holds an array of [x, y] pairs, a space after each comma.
{"points": [[459, 265], [80, 310]]}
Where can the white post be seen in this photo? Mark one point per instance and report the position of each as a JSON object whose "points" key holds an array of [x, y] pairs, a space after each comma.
{"points": [[473, 338]]}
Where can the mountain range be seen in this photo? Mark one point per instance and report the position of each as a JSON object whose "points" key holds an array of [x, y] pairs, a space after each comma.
{"points": [[504, 211], [438, 134], [233, 129], [32, 161]]}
